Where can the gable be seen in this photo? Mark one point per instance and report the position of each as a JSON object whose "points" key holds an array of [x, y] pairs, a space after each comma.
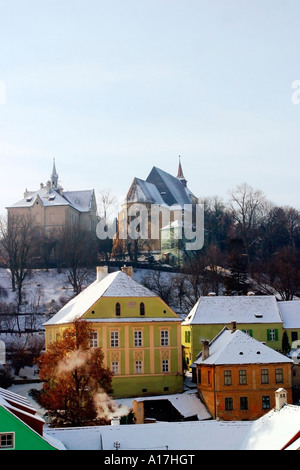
{"points": [[239, 348], [98, 301], [141, 309], [25, 438], [144, 192]]}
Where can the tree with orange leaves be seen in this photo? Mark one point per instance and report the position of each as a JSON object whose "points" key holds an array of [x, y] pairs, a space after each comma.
{"points": [[73, 375]]}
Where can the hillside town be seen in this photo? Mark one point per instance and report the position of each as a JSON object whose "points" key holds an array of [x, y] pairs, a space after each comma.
{"points": [[198, 348]]}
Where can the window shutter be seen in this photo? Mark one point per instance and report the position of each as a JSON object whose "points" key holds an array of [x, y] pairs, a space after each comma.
{"points": [[276, 335], [268, 335]]}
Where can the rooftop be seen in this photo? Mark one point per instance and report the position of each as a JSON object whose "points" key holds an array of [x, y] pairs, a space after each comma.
{"points": [[236, 347], [116, 284], [242, 309]]}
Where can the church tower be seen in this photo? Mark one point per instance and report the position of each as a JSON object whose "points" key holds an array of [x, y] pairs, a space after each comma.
{"points": [[54, 177], [180, 174]]}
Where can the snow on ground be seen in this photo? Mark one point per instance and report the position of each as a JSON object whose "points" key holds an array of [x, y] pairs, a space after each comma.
{"points": [[42, 286]]}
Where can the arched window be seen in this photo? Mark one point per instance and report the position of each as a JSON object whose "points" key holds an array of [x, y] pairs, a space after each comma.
{"points": [[142, 308], [118, 309]]}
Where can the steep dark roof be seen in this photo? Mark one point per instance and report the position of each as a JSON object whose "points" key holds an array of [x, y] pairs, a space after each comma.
{"points": [[171, 189]]}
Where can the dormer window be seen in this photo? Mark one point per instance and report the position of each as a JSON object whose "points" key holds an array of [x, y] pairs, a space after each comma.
{"points": [[142, 308], [118, 309]]}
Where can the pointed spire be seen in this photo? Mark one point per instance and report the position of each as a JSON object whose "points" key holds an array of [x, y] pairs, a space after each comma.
{"points": [[180, 174], [54, 176]]}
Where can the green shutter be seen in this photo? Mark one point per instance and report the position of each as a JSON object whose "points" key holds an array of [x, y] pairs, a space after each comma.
{"points": [[268, 335], [276, 335]]}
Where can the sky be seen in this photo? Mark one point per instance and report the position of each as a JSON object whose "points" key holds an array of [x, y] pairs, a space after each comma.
{"points": [[112, 88]]}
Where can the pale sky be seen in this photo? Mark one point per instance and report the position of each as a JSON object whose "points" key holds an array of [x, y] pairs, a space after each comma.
{"points": [[112, 88]]}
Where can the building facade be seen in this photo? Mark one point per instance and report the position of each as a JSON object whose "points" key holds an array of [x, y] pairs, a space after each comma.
{"points": [[51, 208], [237, 376], [163, 198], [258, 316], [138, 333]]}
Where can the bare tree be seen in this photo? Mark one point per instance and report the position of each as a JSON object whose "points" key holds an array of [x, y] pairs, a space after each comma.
{"points": [[107, 204], [161, 283], [77, 253], [17, 246], [247, 207], [281, 275]]}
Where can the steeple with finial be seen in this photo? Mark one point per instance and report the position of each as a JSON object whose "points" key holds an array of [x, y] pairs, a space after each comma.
{"points": [[180, 174], [54, 177]]}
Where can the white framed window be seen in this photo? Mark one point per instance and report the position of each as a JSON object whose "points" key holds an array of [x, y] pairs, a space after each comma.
{"points": [[115, 367], [164, 338], [138, 367], [7, 440], [93, 339], [272, 335], [165, 365], [138, 338], [114, 339]]}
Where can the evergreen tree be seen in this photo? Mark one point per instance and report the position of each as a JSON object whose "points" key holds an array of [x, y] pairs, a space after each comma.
{"points": [[285, 345], [236, 282]]}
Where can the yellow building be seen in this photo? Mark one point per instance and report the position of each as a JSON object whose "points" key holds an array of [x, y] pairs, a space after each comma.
{"points": [[139, 334]]}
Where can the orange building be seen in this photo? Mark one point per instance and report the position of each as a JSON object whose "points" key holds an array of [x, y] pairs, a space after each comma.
{"points": [[237, 376]]}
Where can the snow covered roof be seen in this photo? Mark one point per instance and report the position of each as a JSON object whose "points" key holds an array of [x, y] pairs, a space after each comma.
{"points": [[239, 348], [274, 430], [49, 197], [20, 407], [81, 200], [117, 284], [270, 432], [242, 309], [188, 404], [142, 191], [290, 313]]}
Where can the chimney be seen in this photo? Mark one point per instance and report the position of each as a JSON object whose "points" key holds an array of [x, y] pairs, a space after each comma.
{"points": [[250, 293], [280, 398], [205, 349], [115, 421], [211, 294], [233, 326], [102, 271], [127, 270]]}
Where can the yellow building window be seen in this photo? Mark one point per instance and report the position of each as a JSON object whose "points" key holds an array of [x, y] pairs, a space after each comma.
{"points": [[115, 367], [164, 338], [114, 339], [138, 367], [93, 339], [142, 308], [138, 338], [165, 365]]}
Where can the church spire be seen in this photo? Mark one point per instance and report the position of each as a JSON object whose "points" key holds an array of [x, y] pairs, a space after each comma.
{"points": [[54, 176], [180, 174]]}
